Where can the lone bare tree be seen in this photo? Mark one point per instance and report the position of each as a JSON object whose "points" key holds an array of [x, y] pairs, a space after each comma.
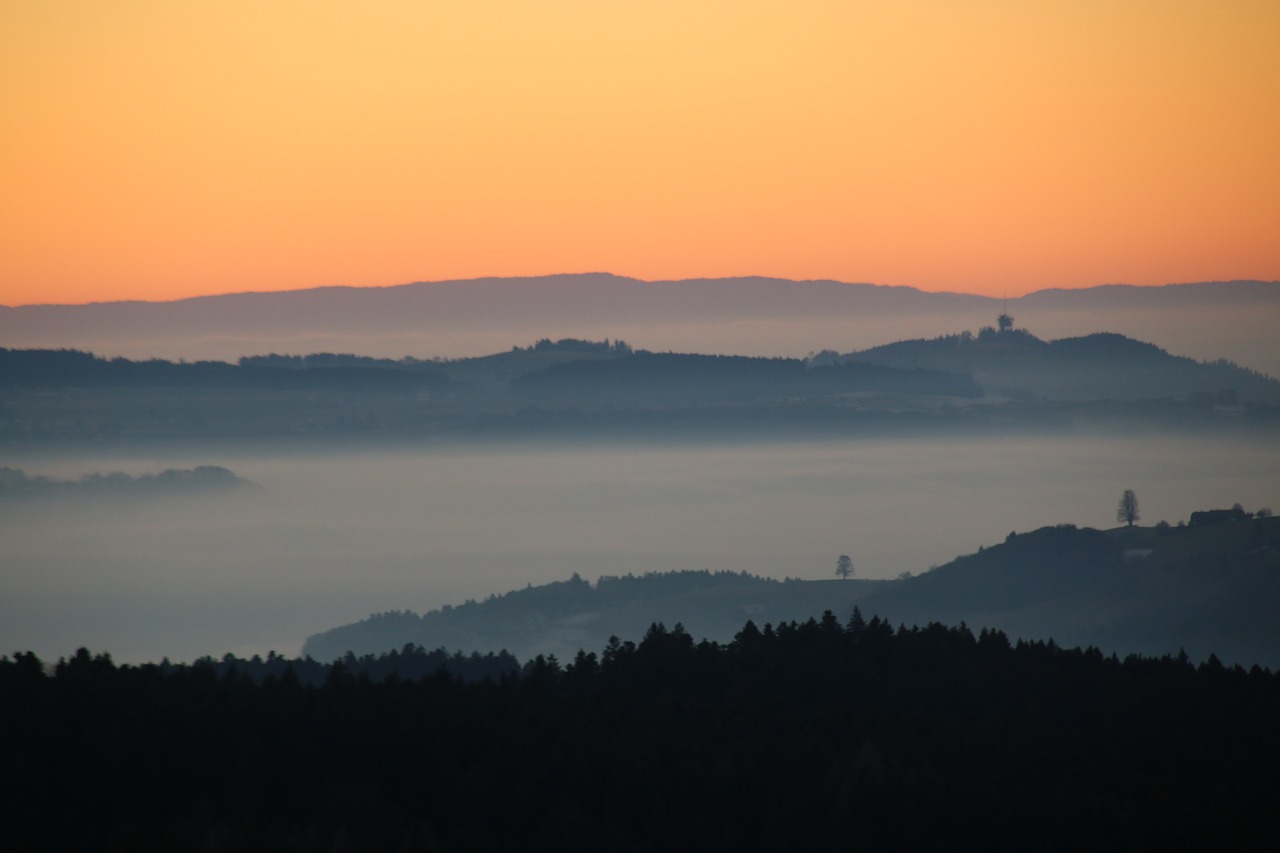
{"points": [[1127, 511], [844, 567]]}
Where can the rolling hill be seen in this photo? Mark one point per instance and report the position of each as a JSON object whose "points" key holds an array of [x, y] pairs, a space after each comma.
{"points": [[1203, 588], [1100, 366], [561, 618]]}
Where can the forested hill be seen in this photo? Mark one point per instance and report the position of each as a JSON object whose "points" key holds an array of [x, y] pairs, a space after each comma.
{"points": [[823, 735], [552, 389], [563, 617], [581, 370], [1206, 588], [604, 391], [42, 369], [1015, 363], [667, 378]]}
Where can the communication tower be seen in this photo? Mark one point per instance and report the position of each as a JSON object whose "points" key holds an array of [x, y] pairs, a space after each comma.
{"points": [[1004, 321]]}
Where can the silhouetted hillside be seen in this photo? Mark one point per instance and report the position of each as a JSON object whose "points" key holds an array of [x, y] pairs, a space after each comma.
{"points": [[814, 735], [495, 373], [44, 369], [1210, 589], [410, 663], [1015, 363], [561, 618]]}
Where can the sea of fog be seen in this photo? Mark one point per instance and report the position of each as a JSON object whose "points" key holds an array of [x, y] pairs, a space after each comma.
{"points": [[333, 537]]}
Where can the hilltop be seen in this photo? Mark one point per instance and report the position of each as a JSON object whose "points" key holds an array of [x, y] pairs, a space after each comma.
{"points": [[1206, 588], [1016, 364]]}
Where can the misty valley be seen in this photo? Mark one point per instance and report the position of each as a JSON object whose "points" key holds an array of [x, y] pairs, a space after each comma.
{"points": [[327, 538], [575, 554], [181, 509]]}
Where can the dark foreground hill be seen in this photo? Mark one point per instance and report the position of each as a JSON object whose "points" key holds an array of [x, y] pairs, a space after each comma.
{"points": [[806, 736], [1206, 588]]}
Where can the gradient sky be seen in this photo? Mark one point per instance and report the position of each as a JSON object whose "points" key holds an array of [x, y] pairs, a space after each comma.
{"points": [[152, 149]]}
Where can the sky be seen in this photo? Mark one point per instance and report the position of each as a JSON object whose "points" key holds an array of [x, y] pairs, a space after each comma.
{"points": [[158, 150]]}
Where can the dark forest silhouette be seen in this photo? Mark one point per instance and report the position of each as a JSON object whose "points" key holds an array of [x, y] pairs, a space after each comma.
{"points": [[812, 735]]}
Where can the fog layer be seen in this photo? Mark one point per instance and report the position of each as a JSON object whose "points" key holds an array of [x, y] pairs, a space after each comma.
{"points": [[333, 538]]}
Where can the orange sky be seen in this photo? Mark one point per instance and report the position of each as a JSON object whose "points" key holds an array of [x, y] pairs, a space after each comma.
{"points": [[152, 149]]}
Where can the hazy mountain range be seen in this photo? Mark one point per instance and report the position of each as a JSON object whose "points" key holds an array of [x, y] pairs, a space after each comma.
{"points": [[994, 380], [745, 316]]}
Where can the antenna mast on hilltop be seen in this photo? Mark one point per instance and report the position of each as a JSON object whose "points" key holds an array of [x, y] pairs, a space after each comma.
{"points": [[1004, 321]]}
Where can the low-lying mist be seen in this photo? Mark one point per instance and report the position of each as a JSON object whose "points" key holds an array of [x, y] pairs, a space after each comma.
{"points": [[333, 537]]}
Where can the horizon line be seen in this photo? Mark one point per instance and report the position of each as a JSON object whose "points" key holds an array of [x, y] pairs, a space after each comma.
{"points": [[605, 273]]}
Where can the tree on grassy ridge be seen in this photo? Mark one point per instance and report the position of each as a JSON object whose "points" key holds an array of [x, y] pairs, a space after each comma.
{"points": [[1127, 511], [844, 567]]}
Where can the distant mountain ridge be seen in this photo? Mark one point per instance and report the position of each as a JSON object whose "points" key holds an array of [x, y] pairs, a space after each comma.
{"points": [[747, 316]]}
